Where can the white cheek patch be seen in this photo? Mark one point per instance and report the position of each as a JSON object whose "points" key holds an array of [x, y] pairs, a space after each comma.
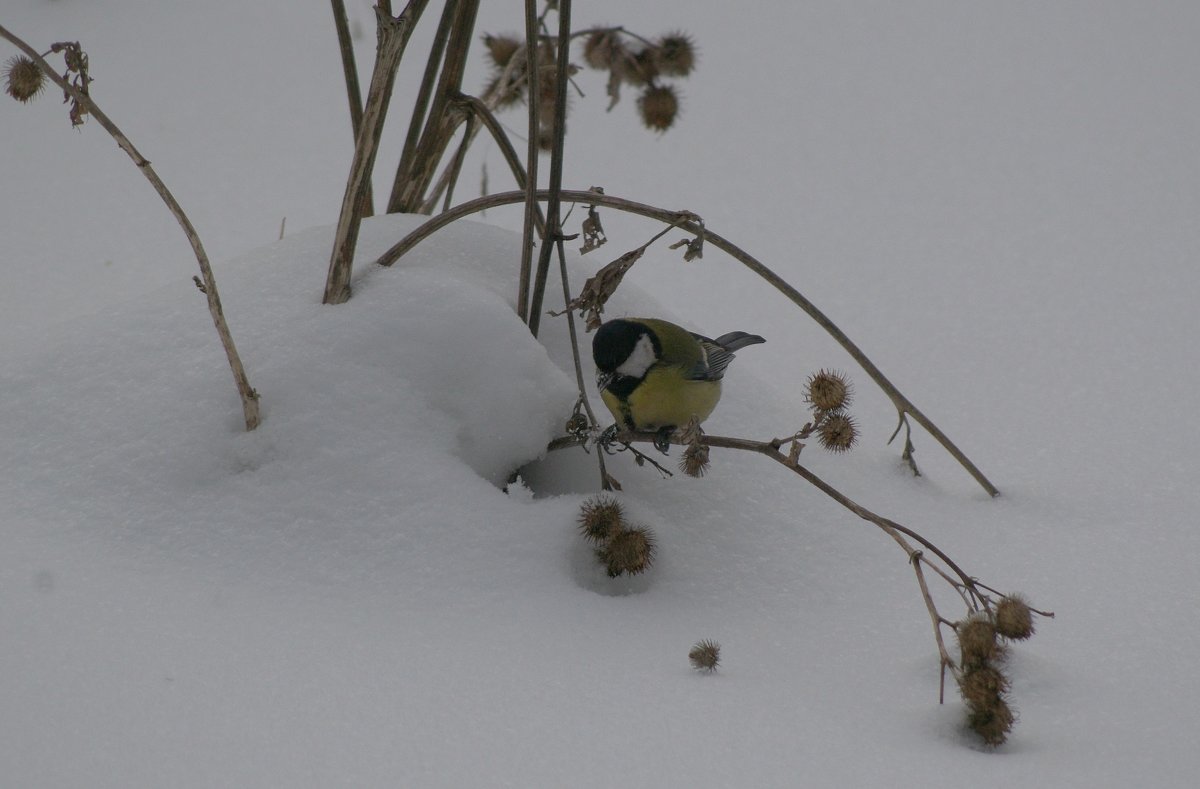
{"points": [[639, 360]]}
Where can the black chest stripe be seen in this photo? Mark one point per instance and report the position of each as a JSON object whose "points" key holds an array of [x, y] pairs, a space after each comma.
{"points": [[623, 385]]}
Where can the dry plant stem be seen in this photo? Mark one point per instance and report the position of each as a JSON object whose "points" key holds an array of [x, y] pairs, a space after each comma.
{"points": [[450, 176], [490, 122], [896, 531], [554, 198], [944, 658], [421, 105], [903, 404], [248, 396], [531, 166], [353, 92], [443, 120], [587, 405], [393, 35]]}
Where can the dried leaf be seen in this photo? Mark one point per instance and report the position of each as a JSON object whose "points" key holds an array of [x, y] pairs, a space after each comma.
{"points": [[593, 232]]}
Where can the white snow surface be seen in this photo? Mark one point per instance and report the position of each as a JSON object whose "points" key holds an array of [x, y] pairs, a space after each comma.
{"points": [[998, 203]]}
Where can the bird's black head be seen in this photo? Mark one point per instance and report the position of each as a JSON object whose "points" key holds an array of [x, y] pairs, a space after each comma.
{"points": [[615, 341]]}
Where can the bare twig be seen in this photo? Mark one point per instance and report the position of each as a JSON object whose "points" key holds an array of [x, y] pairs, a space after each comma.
{"points": [[249, 396], [902, 404]]}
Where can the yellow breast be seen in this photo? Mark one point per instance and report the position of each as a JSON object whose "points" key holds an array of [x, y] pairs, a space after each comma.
{"points": [[664, 399]]}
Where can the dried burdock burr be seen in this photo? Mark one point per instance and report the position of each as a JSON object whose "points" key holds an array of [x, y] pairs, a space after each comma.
{"points": [[694, 462], [977, 640], [630, 551], [828, 390], [675, 54], [838, 432], [1014, 618], [501, 49], [600, 518], [603, 49], [23, 79], [705, 656], [659, 106]]}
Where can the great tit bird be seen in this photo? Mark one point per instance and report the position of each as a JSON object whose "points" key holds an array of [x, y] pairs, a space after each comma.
{"points": [[654, 375]]}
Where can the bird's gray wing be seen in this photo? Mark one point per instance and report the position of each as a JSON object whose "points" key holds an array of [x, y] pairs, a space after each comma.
{"points": [[718, 354]]}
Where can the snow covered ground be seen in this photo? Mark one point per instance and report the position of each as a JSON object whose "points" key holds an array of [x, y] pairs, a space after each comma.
{"points": [[998, 204]]}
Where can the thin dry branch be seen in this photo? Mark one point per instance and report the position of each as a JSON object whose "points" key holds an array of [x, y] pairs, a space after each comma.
{"points": [[249, 396], [902, 404]]}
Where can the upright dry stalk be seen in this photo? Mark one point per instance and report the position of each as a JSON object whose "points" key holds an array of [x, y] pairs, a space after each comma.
{"points": [[393, 34], [554, 199], [412, 183], [421, 106], [531, 159], [353, 92], [208, 282]]}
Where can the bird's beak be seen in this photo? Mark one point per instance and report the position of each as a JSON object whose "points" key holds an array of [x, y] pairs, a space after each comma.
{"points": [[603, 380]]}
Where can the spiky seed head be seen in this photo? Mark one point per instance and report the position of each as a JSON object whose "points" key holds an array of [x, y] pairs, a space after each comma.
{"points": [[1014, 618], [659, 106], [828, 390], [600, 517], [705, 656], [501, 49], [993, 722], [981, 686], [635, 68], [629, 551], [838, 432], [604, 48], [977, 640], [675, 54], [23, 79], [694, 462]]}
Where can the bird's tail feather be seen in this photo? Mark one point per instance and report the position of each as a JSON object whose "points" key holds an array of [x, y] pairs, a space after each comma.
{"points": [[737, 339]]}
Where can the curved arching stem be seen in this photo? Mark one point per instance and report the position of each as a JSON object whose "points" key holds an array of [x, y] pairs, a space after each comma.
{"points": [[902, 404]]}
